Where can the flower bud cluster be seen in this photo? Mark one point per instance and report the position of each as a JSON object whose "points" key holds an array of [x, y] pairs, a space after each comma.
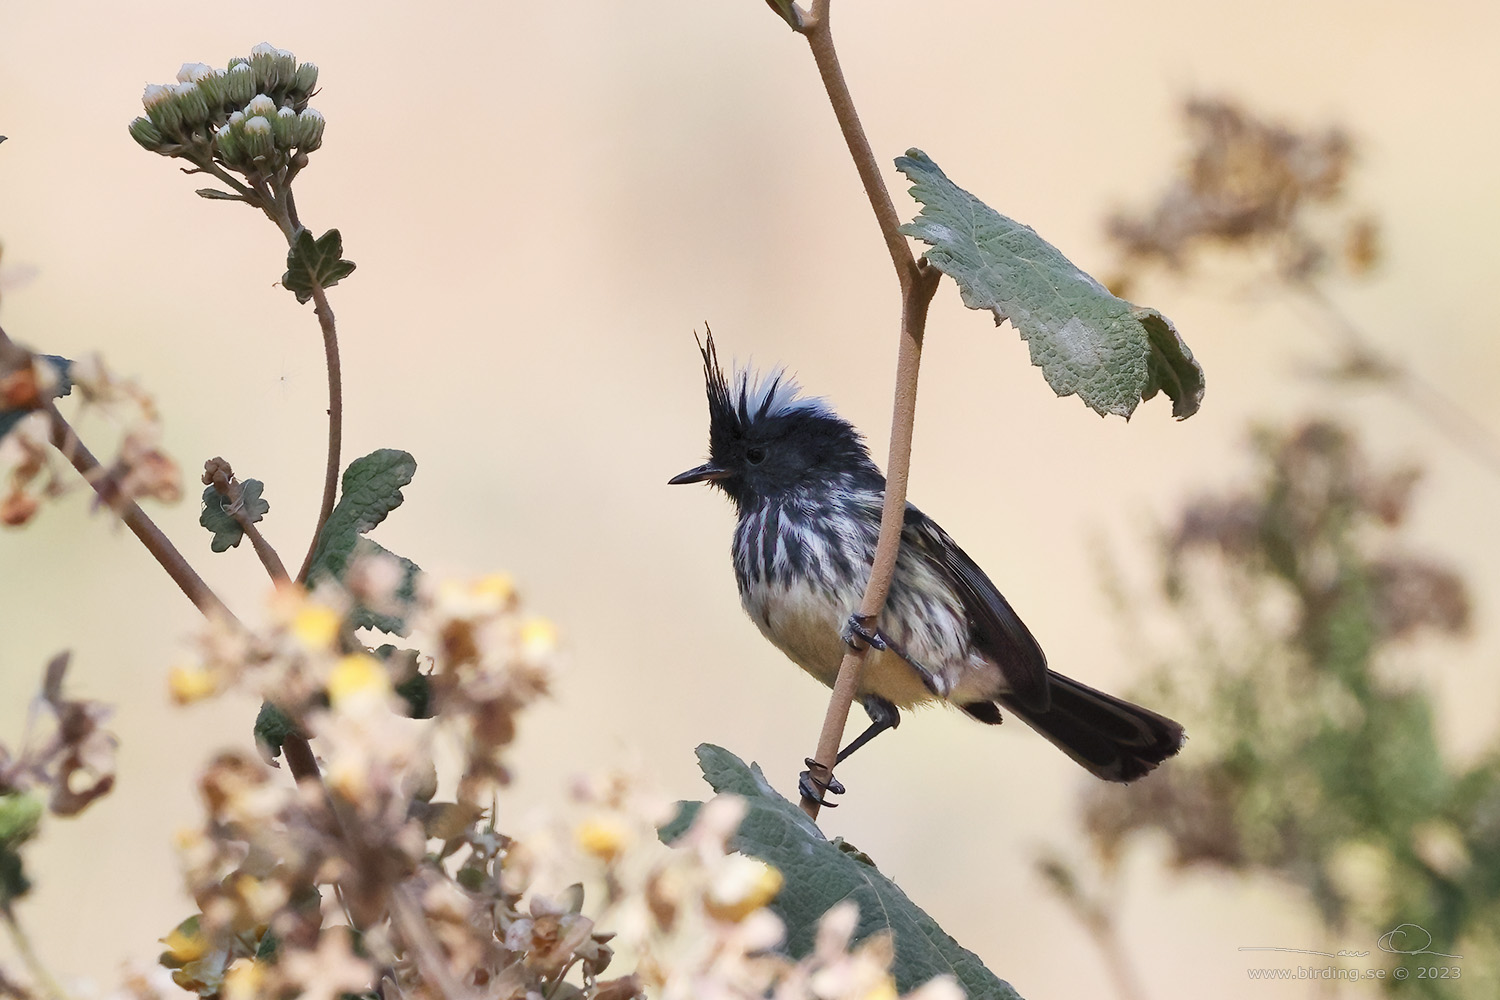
{"points": [[252, 117]]}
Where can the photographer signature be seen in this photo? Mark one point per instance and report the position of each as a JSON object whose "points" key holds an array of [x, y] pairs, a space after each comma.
{"points": [[1403, 939]]}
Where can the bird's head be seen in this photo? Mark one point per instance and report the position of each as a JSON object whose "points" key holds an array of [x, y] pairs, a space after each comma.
{"points": [[766, 441]]}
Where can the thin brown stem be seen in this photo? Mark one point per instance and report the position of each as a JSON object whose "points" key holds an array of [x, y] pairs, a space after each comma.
{"points": [[335, 423], [918, 283], [299, 758], [263, 550], [65, 440], [218, 474], [820, 40]]}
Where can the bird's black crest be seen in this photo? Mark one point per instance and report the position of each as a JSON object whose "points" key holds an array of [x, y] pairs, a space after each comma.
{"points": [[753, 397], [720, 404]]}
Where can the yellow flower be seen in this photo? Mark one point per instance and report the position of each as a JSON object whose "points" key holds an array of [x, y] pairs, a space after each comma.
{"points": [[498, 587], [316, 626], [538, 637], [605, 837], [358, 674], [482, 598], [190, 684], [244, 980], [742, 885]]}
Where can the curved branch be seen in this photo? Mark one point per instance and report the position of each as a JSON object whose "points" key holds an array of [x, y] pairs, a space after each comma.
{"points": [[820, 40], [335, 423]]}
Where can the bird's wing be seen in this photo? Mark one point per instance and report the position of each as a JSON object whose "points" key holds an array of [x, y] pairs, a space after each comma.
{"points": [[998, 631]]}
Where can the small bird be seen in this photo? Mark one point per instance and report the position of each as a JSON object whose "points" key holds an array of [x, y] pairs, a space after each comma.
{"points": [[808, 498]]}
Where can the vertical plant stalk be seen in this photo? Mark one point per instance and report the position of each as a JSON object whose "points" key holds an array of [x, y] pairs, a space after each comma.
{"points": [[283, 212], [918, 283], [335, 423]]}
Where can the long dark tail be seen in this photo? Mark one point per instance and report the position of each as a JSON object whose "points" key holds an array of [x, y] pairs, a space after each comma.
{"points": [[1115, 739]]}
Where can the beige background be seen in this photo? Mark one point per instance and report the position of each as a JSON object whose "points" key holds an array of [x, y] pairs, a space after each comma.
{"points": [[544, 201]]}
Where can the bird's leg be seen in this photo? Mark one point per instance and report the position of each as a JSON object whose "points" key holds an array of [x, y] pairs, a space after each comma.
{"points": [[857, 629], [883, 715]]}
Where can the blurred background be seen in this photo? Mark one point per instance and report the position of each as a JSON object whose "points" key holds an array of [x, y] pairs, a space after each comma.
{"points": [[544, 202]]}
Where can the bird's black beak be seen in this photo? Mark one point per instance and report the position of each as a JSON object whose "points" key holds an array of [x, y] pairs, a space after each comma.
{"points": [[706, 473]]}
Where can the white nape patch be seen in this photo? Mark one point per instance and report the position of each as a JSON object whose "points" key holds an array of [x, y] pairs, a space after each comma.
{"points": [[773, 393]]}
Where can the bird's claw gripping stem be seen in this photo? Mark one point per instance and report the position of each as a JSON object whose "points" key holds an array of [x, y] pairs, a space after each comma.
{"points": [[857, 630], [810, 789]]}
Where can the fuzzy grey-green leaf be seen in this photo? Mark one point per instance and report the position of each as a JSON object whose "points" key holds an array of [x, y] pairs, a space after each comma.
{"points": [[1086, 340], [371, 490], [217, 518], [819, 874]]}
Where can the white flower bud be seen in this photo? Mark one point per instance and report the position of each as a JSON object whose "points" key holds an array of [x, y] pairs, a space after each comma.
{"points": [[285, 127], [261, 106], [239, 84], [193, 72], [309, 130], [162, 108], [191, 102], [145, 132], [264, 61], [260, 142], [228, 146], [286, 68], [306, 79], [212, 85]]}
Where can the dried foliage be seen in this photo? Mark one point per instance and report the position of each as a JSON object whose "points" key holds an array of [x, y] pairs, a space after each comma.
{"points": [[31, 471], [1316, 757], [428, 896], [66, 758], [1251, 184]]}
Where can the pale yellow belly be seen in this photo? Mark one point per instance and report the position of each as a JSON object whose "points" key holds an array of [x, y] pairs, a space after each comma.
{"points": [[807, 626]]}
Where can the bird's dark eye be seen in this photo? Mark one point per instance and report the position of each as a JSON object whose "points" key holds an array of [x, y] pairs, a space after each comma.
{"points": [[755, 454]]}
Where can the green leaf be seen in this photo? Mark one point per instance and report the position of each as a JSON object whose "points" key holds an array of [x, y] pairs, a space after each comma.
{"points": [[416, 687], [216, 518], [272, 727], [20, 814], [819, 874], [787, 11], [214, 194], [1112, 353], [371, 490], [406, 591], [13, 881], [318, 263]]}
